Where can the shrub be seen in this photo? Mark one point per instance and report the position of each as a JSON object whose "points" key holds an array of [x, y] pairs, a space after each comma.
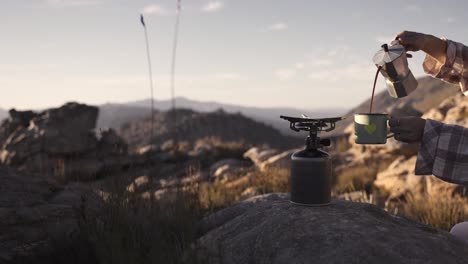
{"points": [[129, 229]]}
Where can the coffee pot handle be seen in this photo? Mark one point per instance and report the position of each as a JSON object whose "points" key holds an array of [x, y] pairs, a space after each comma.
{"points": [[397, 41]]}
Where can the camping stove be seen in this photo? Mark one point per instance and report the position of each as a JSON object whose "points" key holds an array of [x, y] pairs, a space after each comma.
{"points": [[311, 168]]}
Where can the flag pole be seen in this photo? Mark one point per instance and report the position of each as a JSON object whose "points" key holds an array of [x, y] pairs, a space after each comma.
{"points": [[174, 53], [150, 71]]}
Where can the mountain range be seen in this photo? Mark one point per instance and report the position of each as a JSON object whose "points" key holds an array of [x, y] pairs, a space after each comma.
{"points": [[115, 115]]}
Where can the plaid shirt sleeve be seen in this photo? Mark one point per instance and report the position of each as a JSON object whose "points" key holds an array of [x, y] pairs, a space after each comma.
{"points": [[454, 70], [444, 152]]}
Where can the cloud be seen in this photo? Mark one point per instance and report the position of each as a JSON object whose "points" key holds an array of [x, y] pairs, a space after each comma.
{"points": [[415, 9], [338, 51], [354, 72], [213, 6], [299, 65], [278, 26], [321, 62], [154, 10], [285, 74], [72, 3], [228, 76], [384, 39], [323, 76], [451, 19]]}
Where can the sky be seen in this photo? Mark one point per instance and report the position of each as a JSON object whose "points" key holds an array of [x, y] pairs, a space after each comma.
{"points": [[265, 53]]}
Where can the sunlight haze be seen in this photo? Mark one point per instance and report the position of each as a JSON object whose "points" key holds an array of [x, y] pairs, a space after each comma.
{"points": [[265, 53]]}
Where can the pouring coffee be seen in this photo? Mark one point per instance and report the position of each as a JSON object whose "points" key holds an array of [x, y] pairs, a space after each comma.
{"points": [[393, 64]]}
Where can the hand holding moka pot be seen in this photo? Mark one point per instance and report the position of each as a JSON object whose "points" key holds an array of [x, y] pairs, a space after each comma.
{"points": [[394, 67]]}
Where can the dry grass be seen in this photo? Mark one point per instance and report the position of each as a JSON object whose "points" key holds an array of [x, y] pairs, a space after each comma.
{"points": [[358, 178], [129, 229], [219, 195], [442, 210]]}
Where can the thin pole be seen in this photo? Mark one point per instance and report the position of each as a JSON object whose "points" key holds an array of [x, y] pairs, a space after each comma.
{"points": [[150, 72], [174, 53]]}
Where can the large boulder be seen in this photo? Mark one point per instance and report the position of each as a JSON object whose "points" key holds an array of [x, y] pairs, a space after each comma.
{"points": [[60, 141], [269, 229], [66, 130], [35, 214]]}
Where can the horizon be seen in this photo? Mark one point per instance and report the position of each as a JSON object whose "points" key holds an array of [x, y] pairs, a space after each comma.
{"points": [[139, 101], [283, 55]]}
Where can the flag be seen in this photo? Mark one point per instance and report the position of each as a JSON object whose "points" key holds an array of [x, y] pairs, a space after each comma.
{"points": [[142, 20]]}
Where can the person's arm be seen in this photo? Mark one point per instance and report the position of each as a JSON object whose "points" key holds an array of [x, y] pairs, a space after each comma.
{"points": [[444, 148], [435, 47], [414, 41], [445, 59], [444, 152]]}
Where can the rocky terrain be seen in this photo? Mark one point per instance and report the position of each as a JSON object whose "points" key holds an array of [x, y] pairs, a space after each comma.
{"points": [[36, 213], [192, 126], [115, 115], [53, 161], [269, 229], [60, 142]]}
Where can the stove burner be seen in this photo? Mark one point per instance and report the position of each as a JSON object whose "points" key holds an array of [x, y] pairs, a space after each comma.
{"points": [[314, 126]]}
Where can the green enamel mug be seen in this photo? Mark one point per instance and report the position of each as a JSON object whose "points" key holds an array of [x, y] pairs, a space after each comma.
{"points": [[370, 128]]}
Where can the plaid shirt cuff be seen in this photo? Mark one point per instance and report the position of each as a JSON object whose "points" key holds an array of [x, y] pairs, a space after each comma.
{"points": [[453, 70], [444, 152], [428, 149]]}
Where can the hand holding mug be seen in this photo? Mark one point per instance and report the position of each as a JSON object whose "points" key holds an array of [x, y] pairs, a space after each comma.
{"points": [[407, 129]]}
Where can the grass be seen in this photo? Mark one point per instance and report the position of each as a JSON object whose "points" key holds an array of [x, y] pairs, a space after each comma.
{"points": [[127, 228], [442, 210], [359, 178]]}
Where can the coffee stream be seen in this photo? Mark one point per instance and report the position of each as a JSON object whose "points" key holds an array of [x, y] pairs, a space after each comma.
{"points": [[373, 89]]}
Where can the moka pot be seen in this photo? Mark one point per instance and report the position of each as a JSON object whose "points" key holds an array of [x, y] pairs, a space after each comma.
{"points": [[393, 63]]}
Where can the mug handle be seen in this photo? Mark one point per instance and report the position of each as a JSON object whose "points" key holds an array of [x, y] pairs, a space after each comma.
{"points": [[390, 135]]}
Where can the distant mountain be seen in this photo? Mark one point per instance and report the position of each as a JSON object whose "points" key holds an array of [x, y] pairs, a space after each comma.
{"points": [[192, 126], [429, 94], [3, 114], [115, 115]]}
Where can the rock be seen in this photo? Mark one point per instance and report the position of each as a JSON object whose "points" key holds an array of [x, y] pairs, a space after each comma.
{"points": [[201, 149], [249, 193], [138, 183], [34, 211], [259, 154], [269, 229], [265, 158], [61, 142], [227, 168], [112, 144], [279, 161], [399, 179]]}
